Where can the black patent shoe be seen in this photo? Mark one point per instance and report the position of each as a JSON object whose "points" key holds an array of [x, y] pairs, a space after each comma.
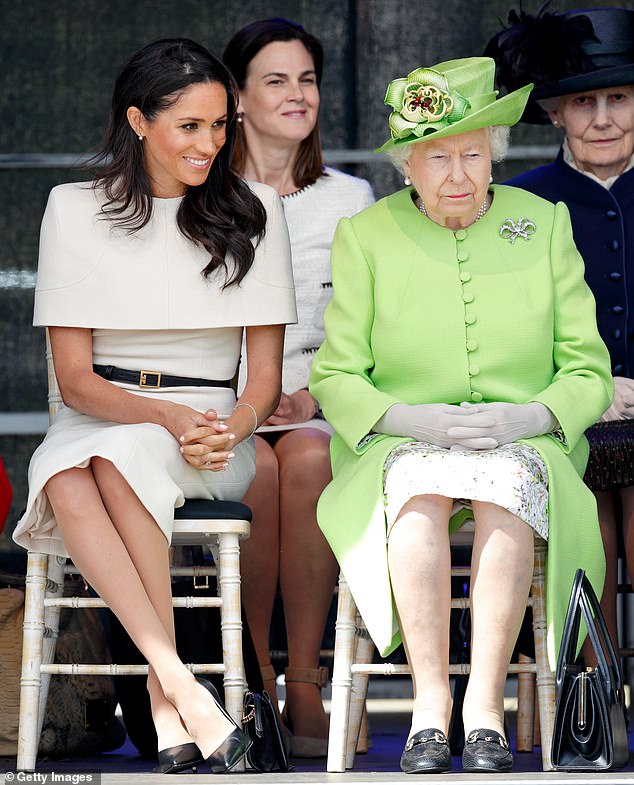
{"points": [[426, 752], [487, 751], [234, 747], [229, 753], [182, 757]]}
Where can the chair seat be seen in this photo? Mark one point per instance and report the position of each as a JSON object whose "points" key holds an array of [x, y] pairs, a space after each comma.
{"points": [[212, 509]]}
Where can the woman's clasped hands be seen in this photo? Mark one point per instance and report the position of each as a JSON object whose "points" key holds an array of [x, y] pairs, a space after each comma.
{"points": [[481, 426], [207, 442]]}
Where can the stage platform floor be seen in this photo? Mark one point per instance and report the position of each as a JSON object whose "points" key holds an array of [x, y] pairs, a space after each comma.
{"points": [[389, 723]]}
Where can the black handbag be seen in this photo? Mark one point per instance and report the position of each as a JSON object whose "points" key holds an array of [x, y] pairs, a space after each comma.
{"points": [[260, 723], [589, 732]]}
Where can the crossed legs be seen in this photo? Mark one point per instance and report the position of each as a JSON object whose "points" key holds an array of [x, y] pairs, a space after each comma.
{"points": [[286, 542], [120, 550], [502, 567]]}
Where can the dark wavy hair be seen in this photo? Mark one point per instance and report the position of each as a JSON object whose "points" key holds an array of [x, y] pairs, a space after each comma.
{"points": [[240, 50], [222, 214]]}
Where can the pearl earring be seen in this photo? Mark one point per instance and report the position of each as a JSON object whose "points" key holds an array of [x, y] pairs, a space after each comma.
{"points": [[556, 123], [490, 178], [239, 118], [140, 137], [407, 181]]}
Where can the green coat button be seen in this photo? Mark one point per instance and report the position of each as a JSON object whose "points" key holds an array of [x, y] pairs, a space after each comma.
{"points": [[469, 317], [460, 234], [476, 396]]}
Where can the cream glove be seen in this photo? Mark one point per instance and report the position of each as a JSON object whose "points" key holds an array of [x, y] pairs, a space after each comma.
{"points": [[432, 422], [622, 406], [511, 421]]}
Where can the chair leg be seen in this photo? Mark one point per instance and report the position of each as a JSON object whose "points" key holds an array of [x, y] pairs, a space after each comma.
{"points": [[55, 588], [363, 650], [525, 708], [545, 677], [231, 624], [537, 736], [30, 679], [345, 629], [364, 742]]}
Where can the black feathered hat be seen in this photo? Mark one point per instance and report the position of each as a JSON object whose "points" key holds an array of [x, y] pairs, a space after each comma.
{"points": [[563, 53]]}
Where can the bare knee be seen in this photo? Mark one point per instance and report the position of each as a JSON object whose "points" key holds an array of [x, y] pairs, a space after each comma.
{"points": [[427, 510], [423, 518], [65, 488], [266, 465], [266, 480], [304, 458]]}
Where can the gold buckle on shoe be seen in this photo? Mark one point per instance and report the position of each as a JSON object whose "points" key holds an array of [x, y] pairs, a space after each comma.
{"points": [[143, 379]]}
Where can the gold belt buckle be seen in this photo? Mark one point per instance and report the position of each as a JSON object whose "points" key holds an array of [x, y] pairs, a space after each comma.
{"points": [[143, 380]]}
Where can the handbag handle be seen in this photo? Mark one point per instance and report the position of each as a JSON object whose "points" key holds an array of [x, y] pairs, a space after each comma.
{"points": [[584, 604], [570, 632], [600, 638]]}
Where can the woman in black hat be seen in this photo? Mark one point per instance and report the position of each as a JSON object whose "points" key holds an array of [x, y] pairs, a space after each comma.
{"points": [[582, 63]]}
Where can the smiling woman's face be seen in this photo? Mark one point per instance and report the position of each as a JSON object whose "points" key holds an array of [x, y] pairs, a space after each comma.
{"points": [[181, 142], [599, 126], [280, 99], [451, 175]]}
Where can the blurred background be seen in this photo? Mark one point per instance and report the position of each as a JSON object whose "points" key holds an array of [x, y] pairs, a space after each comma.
{"points": [[58, 61]]}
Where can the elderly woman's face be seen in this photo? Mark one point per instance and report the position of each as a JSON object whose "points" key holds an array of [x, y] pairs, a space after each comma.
{"points": [[451, 175], [599, 126]]}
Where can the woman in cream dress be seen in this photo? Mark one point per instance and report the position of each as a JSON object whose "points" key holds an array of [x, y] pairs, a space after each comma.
{"points": [[146, 279]]}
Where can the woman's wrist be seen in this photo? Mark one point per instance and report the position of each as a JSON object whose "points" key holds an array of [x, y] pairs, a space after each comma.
{"points": [[316, 412], [254, 414]]}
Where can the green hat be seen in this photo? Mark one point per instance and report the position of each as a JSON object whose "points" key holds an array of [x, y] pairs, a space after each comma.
{"points": [[447, 99]]}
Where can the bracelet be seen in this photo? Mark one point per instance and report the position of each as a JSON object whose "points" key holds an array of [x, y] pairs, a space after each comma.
{"points": [[255, 414]]}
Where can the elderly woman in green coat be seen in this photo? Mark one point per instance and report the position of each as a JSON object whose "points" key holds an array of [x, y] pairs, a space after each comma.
{"points": [[461, 366]]}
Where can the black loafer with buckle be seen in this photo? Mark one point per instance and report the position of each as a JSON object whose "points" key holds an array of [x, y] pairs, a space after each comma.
{"points": [[426, 752], [486, 750]]}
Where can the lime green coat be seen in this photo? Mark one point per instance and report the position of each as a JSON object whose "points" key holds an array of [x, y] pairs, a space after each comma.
{"points": [[422, 314]]}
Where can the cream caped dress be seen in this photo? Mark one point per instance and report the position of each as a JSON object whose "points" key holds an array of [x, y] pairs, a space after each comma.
{"points": [[149, 308]]}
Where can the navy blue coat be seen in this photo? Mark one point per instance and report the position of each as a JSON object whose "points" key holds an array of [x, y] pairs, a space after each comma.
{"points": [[603, 229]]}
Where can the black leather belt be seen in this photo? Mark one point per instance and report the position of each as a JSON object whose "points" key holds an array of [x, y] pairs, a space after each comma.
{"points": [[154, 379]]}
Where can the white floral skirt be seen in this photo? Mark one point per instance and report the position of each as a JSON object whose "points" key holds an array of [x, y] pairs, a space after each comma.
{"points": [[512, 476]]}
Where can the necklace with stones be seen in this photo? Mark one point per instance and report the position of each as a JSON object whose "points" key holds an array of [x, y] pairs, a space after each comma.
{"points": [[481, 210]]}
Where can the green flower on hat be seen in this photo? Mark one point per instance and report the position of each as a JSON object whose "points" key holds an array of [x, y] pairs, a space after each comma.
{"points": [[422, 102]]}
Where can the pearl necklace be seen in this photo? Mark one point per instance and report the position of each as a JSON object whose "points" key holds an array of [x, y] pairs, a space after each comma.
{"points": [[481, 210]]}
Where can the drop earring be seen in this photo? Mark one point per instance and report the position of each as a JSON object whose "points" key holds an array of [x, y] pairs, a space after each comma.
{"points": [[407, 180], [140, 137]]}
